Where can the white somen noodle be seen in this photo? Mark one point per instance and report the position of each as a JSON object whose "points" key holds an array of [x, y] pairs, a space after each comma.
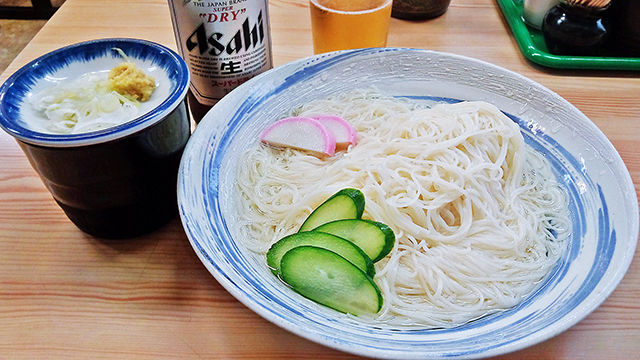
{"points": [[479, 218]]}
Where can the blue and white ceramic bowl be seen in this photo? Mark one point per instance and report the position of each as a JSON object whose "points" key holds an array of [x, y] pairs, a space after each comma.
{"points": [[71, 62], [115, 182], [603, 207]]}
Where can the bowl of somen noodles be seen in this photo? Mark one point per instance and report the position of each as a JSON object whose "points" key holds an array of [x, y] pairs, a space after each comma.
{"points": [[506, 215]]}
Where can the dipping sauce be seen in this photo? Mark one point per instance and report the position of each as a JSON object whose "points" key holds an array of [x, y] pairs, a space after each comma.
{"points": [[94, 101]]}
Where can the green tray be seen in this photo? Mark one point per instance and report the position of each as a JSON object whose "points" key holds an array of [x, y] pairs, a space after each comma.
{"points": [[532, 45]]}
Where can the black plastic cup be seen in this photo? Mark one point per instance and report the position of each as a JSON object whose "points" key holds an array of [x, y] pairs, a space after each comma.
{"points": [[118, 182]]}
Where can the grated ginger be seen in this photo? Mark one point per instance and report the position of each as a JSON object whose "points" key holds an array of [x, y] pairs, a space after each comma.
{"points": [[129, 80]]}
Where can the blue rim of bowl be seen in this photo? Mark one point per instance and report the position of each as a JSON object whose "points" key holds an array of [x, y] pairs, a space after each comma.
{"points": [[11, 125]]}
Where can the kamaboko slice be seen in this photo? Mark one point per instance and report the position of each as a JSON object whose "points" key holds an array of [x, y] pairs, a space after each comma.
{"points": [[302, 133], [342, 131]]}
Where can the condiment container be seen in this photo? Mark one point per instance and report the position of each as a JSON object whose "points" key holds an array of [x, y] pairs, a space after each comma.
{"points": [[533, 11], [624, 17], [116, 182], [575, 27], [418, 9], [224, 43]]}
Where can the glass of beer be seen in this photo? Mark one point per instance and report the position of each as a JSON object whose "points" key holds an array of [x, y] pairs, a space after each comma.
{"points": [[349, 24]]}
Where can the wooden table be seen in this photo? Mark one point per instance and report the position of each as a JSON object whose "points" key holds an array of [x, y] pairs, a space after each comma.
{"points": [[64, 294]]}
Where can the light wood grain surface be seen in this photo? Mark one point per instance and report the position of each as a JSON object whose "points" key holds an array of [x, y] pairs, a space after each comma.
{"points": [[64, 294]]}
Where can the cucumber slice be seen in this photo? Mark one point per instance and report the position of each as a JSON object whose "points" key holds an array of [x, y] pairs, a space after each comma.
{"points": [[374, 238], [342, 247], [345, 204], [329, 279]]}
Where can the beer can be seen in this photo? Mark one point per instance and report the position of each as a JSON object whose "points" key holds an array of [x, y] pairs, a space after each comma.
{"points": [[225, 43]]}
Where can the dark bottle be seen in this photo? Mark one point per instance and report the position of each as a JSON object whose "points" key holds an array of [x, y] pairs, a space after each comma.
{"points": [[418, 9], [571, 29]]}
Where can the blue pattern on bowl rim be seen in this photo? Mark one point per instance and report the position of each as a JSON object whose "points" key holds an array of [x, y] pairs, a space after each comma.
{"points": [[595, 261], [15, 90]]}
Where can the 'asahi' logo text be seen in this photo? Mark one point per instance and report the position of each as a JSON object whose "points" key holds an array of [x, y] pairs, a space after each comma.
{"points": [[247, 36]]}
